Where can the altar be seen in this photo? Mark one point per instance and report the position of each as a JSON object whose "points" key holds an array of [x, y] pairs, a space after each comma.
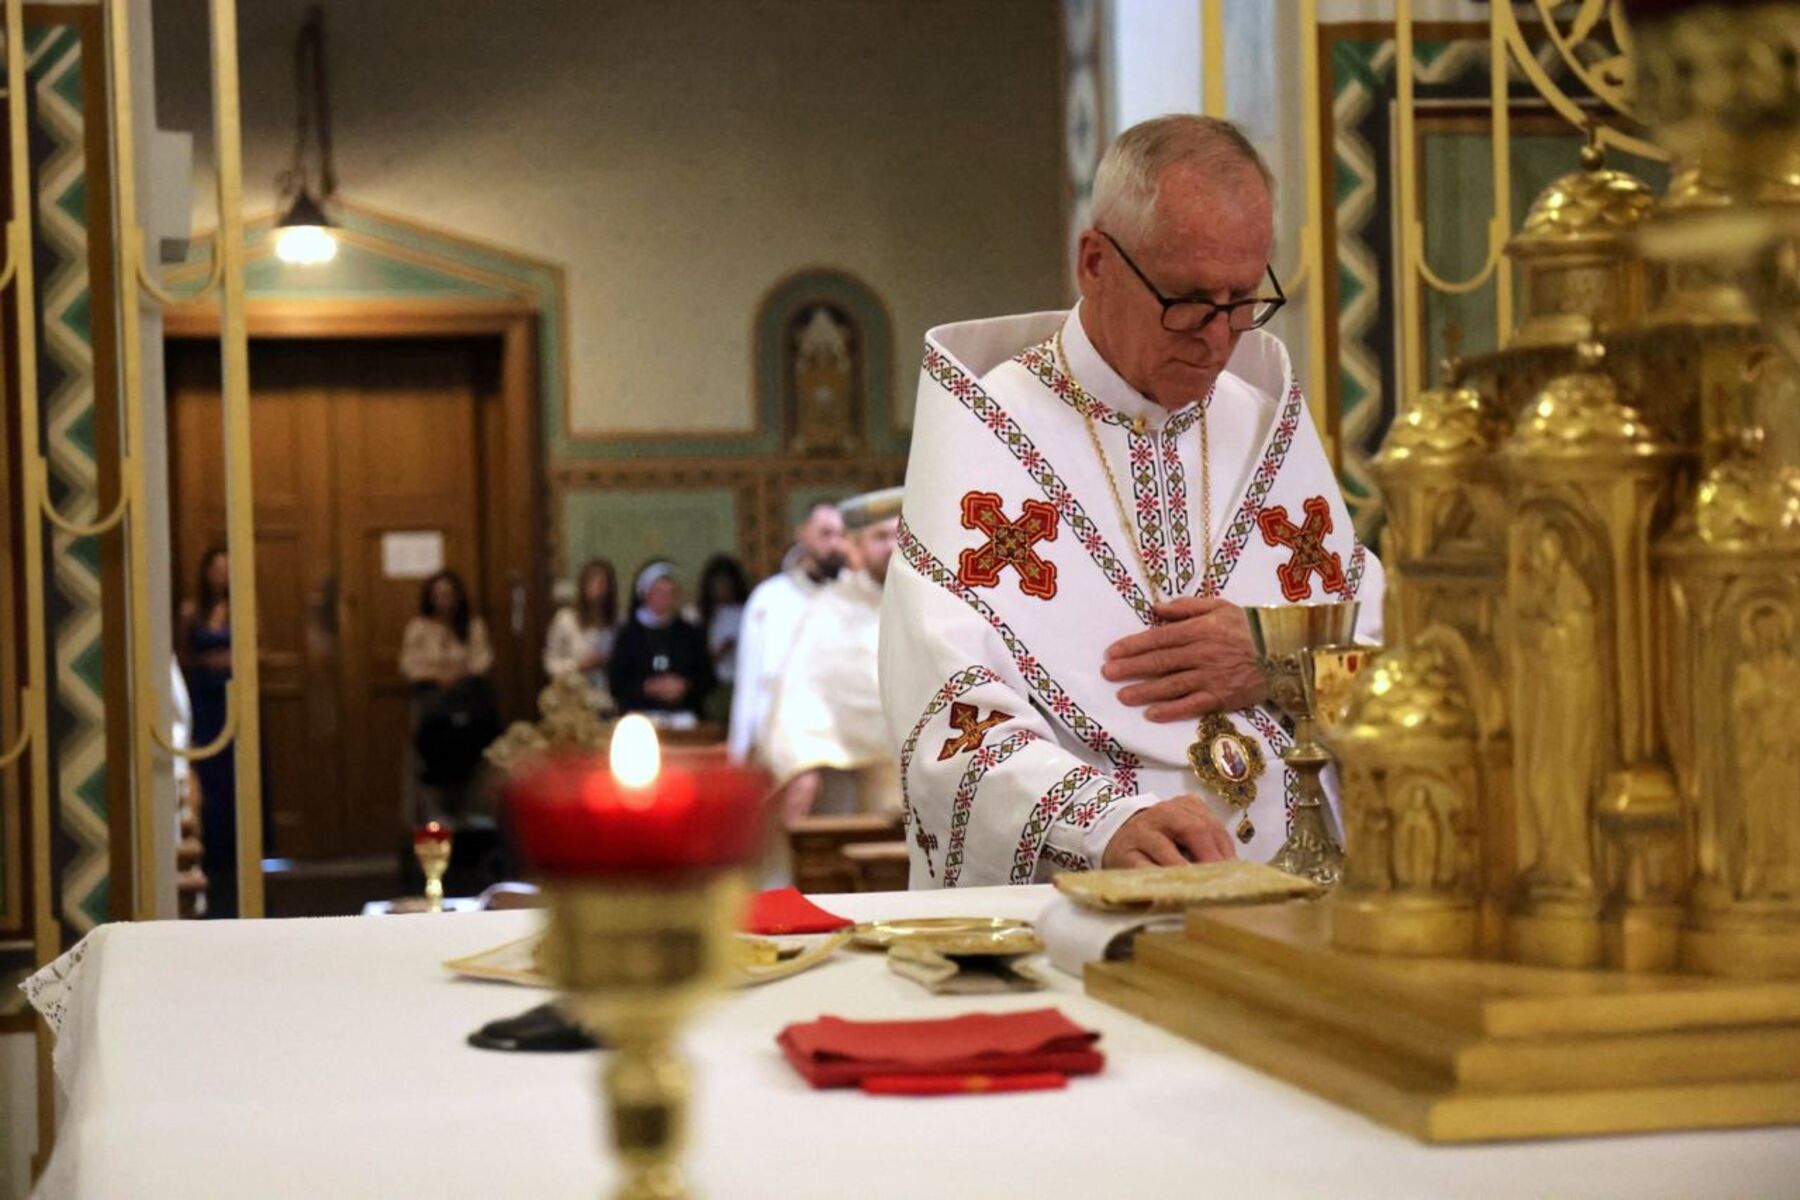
{"points": [[311, 1058]]}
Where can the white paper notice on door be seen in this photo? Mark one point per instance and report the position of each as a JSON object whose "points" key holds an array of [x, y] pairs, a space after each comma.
{"points": [[412, 554]]}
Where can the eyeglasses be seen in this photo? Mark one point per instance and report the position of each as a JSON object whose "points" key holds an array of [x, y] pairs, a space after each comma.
{"points": [[1191, 314]]}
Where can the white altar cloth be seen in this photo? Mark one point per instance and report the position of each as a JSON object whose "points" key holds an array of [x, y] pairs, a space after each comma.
{"points": [[255, 1060]]}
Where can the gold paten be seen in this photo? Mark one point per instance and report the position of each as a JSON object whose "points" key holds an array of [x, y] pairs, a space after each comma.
{"points": [[959, 935], [1228, 763], [1571, 786]]}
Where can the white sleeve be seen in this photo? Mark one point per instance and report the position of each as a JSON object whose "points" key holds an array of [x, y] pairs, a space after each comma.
{"points": [[747, 681], [992, 794]]}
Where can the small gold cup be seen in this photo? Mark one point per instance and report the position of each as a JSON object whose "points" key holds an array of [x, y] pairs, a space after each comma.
{"points": [[431, 846]]}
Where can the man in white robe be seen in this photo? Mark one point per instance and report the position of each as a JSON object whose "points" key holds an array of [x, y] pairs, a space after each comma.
{"points": [[771, 619], [827, 740], [1067, 672]]}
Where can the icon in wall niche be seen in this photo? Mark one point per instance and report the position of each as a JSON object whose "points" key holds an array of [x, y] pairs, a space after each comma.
{"points": [[824, 374]]}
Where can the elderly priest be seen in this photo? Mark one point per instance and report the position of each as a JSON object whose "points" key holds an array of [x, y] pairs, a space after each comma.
{"points": [[1066, 669]]}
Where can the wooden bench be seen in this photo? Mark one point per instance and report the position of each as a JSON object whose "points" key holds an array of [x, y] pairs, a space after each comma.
{"points": [[817, 848], [878, 866]]}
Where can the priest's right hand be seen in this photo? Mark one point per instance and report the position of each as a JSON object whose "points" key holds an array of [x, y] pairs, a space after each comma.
{"points": [[1168, 834]]}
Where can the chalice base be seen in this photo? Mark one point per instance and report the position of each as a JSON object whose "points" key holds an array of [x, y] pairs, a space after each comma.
{"points": [[1310, 851], [1464, 1050]]}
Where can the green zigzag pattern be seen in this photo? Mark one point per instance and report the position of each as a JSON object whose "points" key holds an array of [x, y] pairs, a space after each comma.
{"points": [[56, 67]]}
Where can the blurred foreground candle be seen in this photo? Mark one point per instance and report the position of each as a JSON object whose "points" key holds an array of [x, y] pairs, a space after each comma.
{"points": [[431, 846], [643, 867]]}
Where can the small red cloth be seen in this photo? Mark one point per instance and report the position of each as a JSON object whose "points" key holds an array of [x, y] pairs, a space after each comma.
{"points": [[832, 1052], [785, 910]]}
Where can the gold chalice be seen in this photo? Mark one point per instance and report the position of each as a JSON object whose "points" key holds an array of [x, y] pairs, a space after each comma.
{"points": [[431, 846], [1287, 637]]}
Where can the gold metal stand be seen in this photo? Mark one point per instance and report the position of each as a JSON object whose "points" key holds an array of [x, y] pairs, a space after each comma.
{"points": [[634, 963], [1453, 1050]]}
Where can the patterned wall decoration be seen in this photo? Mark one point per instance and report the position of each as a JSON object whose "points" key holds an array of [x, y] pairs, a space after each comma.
{"points": [[1451, 84], [72, 254]]}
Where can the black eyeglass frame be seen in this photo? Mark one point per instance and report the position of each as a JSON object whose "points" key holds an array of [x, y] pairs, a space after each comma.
{"points": [[1274, 302]]}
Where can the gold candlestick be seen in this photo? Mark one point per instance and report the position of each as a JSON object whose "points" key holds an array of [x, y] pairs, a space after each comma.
{"points": [[431, 845], [644, 868], [1286, 637], [634, 963]]}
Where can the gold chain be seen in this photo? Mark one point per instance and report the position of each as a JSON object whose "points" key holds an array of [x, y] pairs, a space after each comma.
{"points": [[1087, 406]]}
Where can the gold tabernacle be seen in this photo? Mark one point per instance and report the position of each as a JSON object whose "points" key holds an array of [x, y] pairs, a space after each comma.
{"points": [[1570, 787]]}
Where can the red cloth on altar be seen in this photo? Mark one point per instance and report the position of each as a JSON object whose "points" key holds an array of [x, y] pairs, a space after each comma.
{"points": [[833, 1052], [785, 910]]}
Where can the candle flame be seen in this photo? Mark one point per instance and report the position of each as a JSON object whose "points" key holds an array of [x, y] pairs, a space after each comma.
{"points": [[636, 757]]}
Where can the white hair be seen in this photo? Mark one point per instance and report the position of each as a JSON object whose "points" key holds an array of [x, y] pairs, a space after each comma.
{"points": [[1130, 175]]}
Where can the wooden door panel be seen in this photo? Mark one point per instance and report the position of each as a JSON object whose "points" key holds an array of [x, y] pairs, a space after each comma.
{"points": [[290, 473], [405, 432]]}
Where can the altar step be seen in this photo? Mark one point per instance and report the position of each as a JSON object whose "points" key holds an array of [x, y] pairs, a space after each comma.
{"points": [[1456, 1051]]}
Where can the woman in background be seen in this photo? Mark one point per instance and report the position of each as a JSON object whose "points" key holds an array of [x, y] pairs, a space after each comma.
{"points": [[445, 656], [203, 644], [661, 663], [723, 593], [582, 635]]}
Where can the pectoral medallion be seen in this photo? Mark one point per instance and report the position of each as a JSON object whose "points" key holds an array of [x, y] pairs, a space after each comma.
{"points": [[1228, 762]]}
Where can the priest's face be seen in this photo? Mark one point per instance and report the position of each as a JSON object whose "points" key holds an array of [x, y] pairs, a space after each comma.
{"points": [[821, 538], [875, 546], [1211, 238]]}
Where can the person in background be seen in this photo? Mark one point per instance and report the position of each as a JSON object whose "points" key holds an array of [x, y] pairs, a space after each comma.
{"points": [[203, 644], [771, 618], [582, 635], [723, 593], [827, 738], [445, 655], [661, 663]]}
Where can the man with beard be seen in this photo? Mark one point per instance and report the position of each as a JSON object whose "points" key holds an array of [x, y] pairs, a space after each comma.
{"points": [[827, 739], [772, 618]]}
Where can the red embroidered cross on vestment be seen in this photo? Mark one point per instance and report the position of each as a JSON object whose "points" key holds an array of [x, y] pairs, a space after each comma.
{"points": [[972, 728], [1308, 544], [1010, 544]]}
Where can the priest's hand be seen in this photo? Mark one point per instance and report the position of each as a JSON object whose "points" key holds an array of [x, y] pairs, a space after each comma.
{"points": [[1168, 834], [1199, 659]]}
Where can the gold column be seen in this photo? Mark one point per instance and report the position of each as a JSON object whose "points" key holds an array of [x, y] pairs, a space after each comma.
{"points": [[1212, 57], [47, 934], [234, 354]]}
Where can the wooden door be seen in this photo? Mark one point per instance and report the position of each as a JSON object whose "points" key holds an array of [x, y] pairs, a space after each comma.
{"points": [[406, 464], [351, 442]]}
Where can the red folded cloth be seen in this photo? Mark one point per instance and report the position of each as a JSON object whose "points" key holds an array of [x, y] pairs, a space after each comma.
{"points": [[832, 1052], [785, 910]]}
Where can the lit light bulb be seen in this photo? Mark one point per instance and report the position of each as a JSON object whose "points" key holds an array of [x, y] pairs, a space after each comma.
{"points": [[305, 245], [636, 756]]}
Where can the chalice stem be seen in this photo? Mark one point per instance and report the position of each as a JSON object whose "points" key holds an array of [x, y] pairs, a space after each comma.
{"points": [[434, 893], [1310, 849], [647, 1086]]}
